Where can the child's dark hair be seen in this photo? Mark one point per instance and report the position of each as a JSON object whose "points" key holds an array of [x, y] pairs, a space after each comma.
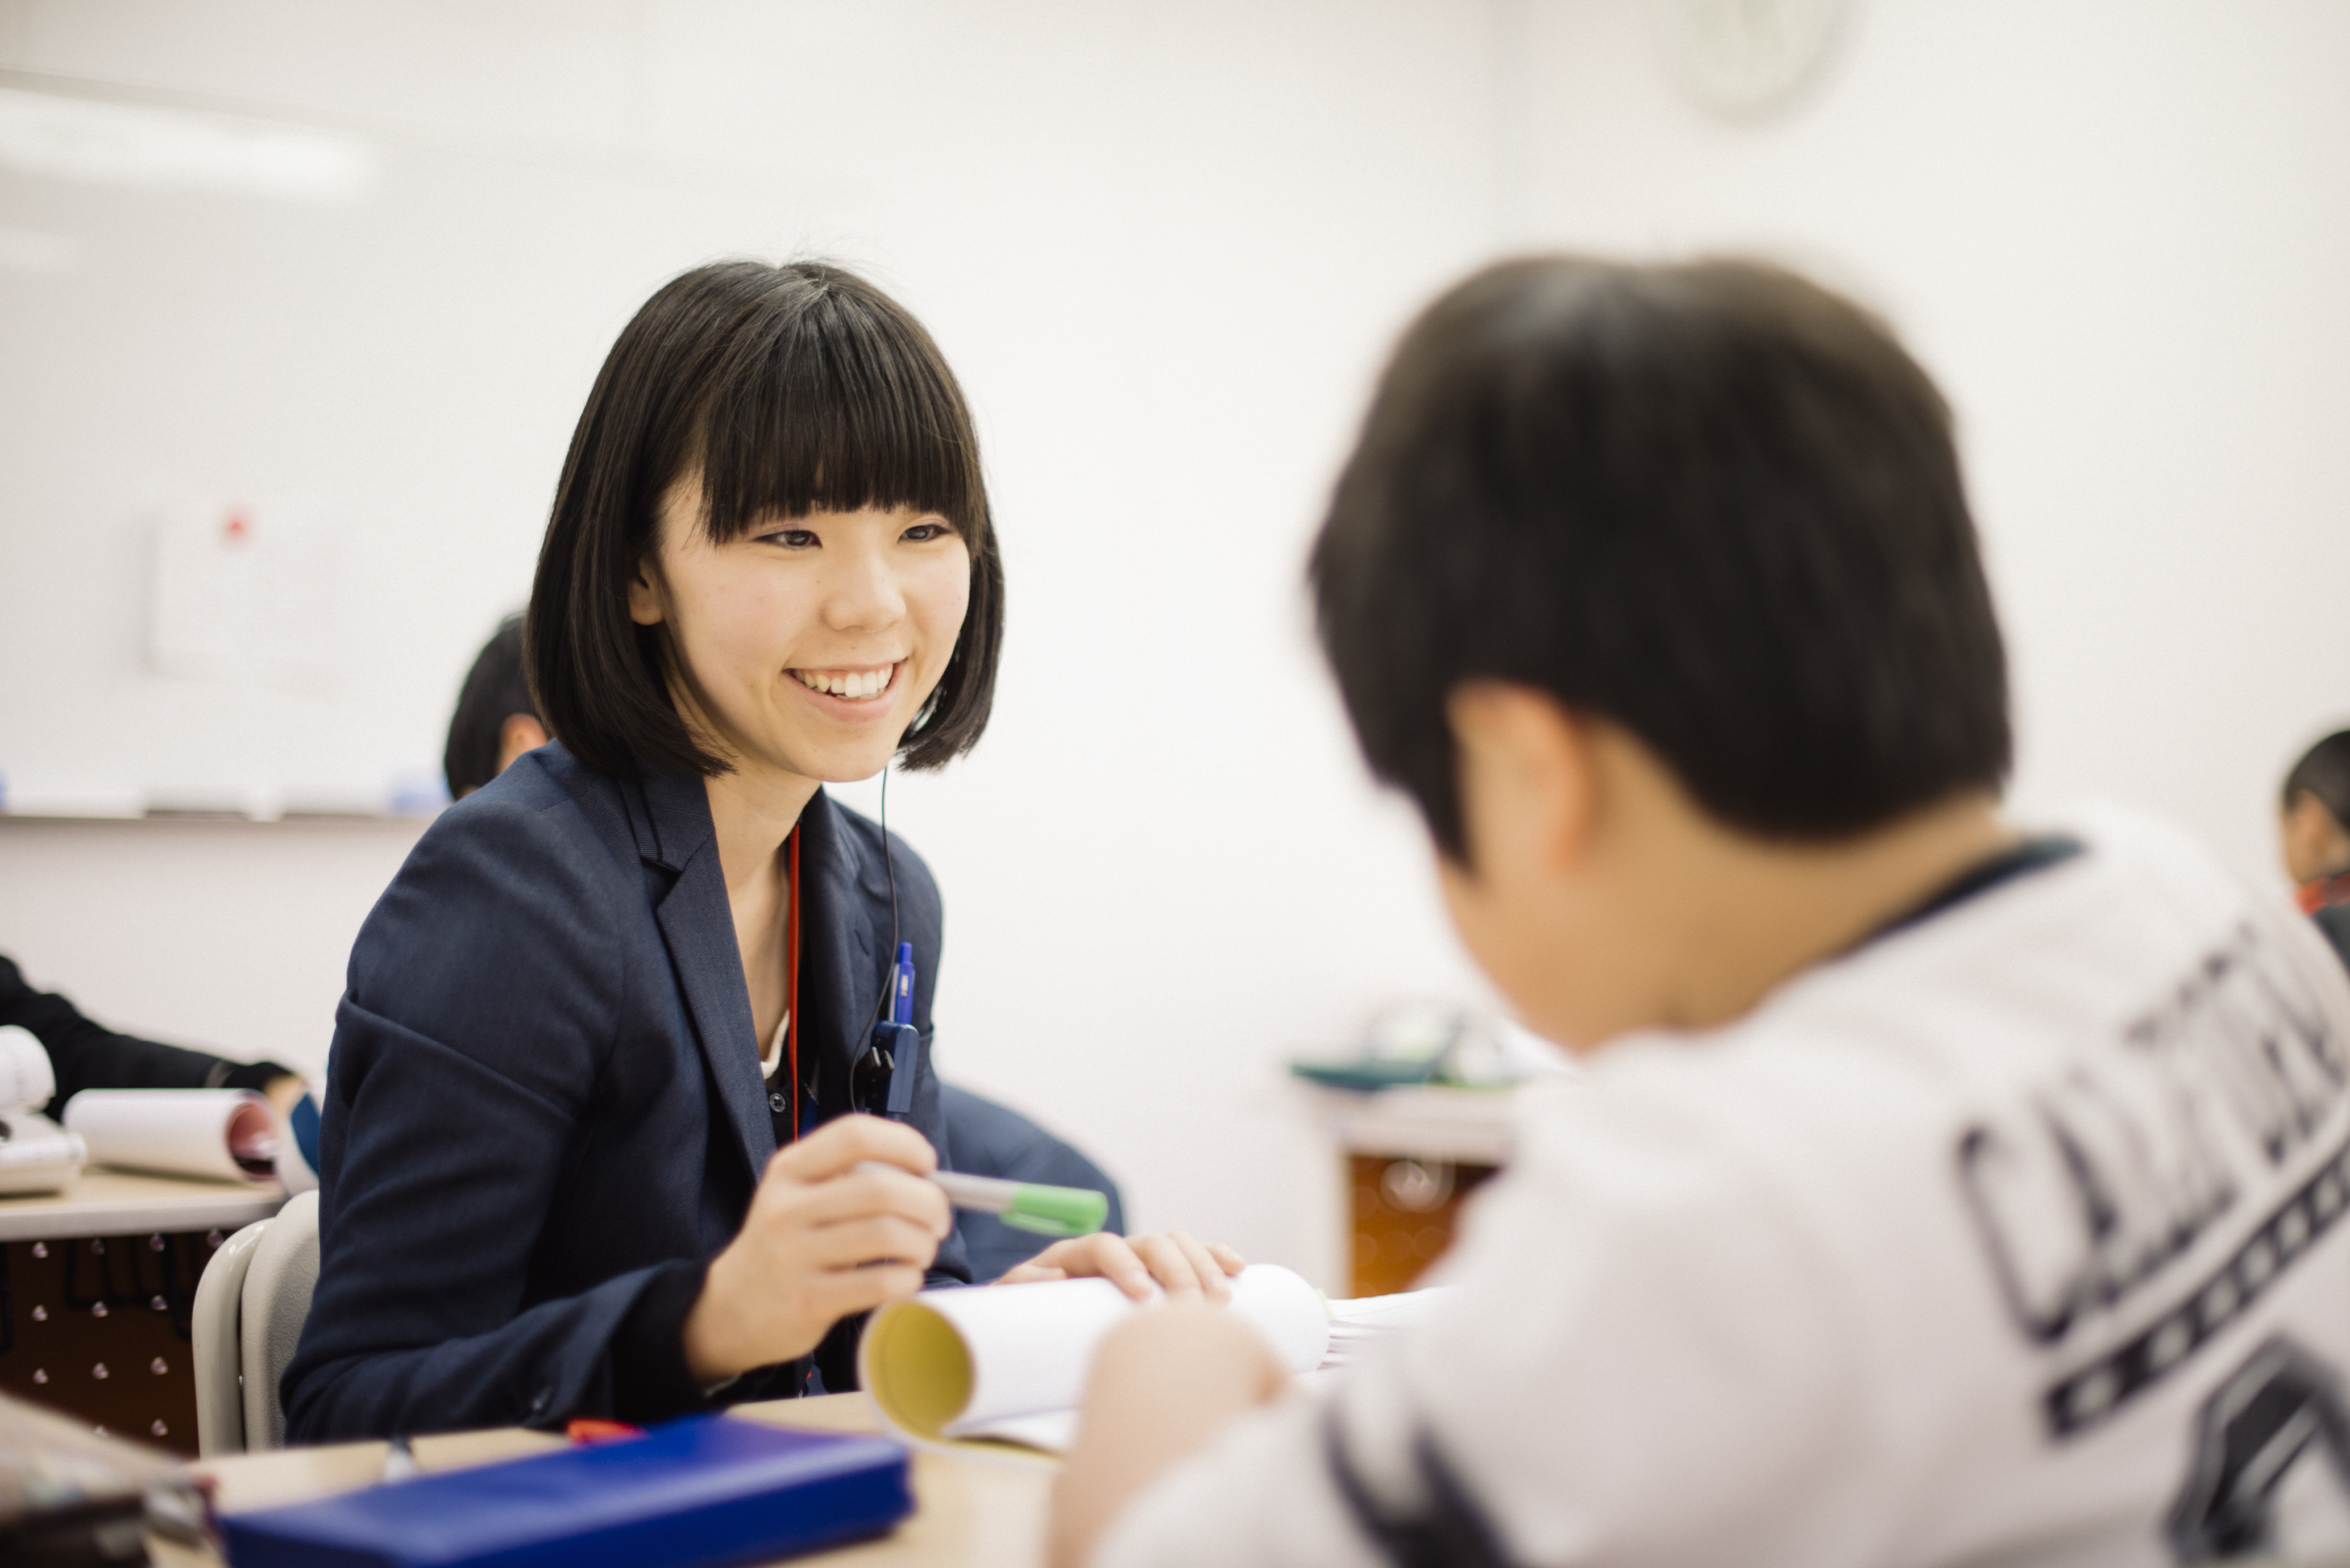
{"points": [[2324, 771], [495, 690], [790, 389], [1711, 503]]}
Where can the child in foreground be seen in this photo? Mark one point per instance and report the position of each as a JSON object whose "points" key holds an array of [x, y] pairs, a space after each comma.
{"points": [[1940, 1191]]}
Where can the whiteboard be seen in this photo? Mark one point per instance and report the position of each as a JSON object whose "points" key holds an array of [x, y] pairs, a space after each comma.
{"points": [[276, 448]]}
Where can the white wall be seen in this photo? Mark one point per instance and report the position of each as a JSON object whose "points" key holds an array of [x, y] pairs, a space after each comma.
{"points": [[1164, 246], [2118, 231]]}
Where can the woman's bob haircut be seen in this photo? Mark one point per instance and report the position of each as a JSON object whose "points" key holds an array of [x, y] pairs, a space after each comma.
{"points": [[792, 389]]}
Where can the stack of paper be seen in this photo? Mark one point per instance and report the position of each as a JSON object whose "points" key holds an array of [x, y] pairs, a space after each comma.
{"points": [[1357, 1325], [1007, 1363]]}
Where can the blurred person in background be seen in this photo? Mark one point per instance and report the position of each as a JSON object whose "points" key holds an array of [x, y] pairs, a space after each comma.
{"points": [[495, 721], [2316, 845], [86, 1054]]}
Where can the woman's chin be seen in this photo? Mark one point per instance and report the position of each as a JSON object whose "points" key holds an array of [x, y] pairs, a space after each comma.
{"points": [[835, 764]]}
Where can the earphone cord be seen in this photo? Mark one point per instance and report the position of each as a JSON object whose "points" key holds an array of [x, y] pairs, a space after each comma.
{"points": [[890, 972]]}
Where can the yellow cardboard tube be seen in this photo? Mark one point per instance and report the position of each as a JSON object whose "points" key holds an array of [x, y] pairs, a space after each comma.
{"points": [[916, 1367]]}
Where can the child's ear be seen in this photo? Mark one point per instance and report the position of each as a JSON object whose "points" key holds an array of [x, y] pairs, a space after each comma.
{"points": [[1529, 778]]}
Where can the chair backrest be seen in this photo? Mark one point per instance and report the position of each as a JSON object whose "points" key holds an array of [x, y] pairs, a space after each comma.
{"points": [[276, 1303], [250, 1307], [213, 1343]]}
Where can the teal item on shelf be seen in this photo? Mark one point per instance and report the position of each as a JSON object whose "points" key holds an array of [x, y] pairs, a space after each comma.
{"points": [[1371, 1073]]}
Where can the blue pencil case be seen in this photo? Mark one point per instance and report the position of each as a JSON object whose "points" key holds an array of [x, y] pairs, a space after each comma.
{"points": [[696, 1493]]}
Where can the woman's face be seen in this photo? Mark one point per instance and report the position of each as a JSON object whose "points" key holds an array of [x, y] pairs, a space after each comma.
{"points": [[808, 644]]}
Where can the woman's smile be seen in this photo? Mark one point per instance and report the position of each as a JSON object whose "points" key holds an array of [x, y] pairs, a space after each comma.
{"points": [[851, 686]]}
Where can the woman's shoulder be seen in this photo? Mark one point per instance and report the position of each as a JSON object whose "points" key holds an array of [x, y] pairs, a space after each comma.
{"points": [[547, 804], [528, 877], [546, 833]]}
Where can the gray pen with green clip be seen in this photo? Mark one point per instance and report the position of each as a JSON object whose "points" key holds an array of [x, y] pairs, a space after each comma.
{"points": [[1058, 1211], [1027, 1205]]}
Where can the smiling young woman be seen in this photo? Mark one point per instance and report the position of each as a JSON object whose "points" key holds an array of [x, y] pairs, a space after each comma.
{"points": [[593, 1142]]}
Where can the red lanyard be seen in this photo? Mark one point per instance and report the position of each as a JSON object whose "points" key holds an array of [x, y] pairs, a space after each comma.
{"points": [[792, 979]]}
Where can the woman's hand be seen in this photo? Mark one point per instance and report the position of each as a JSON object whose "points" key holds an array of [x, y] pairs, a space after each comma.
{"points": [[823, 1240], [1183, 1268]]}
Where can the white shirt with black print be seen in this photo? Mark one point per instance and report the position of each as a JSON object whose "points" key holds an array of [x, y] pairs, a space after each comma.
{"points": [[2016, 1234]]}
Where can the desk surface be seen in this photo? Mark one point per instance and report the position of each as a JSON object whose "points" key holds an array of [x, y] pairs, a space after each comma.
{"points": [[971, 1513], [121, 1203]]}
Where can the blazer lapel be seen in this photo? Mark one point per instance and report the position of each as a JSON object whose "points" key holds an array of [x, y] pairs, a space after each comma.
{"points": [[838, 961], [698, 925]]}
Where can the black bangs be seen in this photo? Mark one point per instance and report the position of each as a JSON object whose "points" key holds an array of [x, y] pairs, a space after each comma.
{"points": [[793, 389], [833, 403]]}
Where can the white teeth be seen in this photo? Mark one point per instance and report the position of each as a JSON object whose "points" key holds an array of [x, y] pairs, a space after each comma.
{"points": [[856, 685]]}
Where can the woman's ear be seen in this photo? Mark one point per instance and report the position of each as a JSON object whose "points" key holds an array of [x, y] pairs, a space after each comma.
{"points": [[647, 602]]}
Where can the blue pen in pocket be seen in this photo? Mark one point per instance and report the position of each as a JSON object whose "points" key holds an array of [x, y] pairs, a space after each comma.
{"points": [[895, 1049]]}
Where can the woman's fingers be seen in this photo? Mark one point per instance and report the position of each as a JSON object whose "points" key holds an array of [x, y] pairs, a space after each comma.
{"points": [[1205, 1264], [1030, 1273], [847, 1291], [873, 1239], [873, 1188], [846, 1141], [1171, 1262], [1101, 1255], [1175, 1269], [842, 1221]]}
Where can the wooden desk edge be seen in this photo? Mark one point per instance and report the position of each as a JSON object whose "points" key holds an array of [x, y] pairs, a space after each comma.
{"points": [[158, 1205], [276, 1476]]}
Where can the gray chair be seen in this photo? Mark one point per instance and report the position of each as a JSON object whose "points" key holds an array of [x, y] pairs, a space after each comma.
{"points": [[248, 1316]]}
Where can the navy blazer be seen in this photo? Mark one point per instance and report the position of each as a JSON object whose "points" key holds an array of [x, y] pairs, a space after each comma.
{"points": [[544, 1112]]}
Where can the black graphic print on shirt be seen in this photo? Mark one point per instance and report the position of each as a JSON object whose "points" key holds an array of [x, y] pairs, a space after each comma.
{"points": [[2136, 1202]]}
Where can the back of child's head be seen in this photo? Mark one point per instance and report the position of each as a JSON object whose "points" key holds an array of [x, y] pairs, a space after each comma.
{"points": [[1712, 504], [2324, 771], [495, 690]]}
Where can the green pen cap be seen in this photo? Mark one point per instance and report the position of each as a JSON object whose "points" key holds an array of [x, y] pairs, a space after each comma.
{"points": [[1055, 1210]]}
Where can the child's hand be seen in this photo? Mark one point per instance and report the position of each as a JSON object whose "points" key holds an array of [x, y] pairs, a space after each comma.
{"points": [[1183, 1268], [1162, 1384]]}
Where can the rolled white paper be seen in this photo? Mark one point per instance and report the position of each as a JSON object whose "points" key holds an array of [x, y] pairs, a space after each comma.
{"points": [[36, 1154], [230, 1134], [987, 1361], [27, 1079]]}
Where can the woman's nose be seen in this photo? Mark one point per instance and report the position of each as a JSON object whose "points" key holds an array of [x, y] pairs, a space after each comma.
{"points": [[865, 594]]}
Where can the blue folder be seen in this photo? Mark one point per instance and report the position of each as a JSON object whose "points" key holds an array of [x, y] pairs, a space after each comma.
{"points": [[707, 1490]]}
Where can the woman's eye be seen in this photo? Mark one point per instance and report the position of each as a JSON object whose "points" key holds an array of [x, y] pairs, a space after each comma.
{"points": [[792, 538], [922, 533]]}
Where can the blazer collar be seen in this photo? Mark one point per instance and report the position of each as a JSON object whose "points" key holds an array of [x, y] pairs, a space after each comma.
{"points": [[839, 964], [669, 817]]}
